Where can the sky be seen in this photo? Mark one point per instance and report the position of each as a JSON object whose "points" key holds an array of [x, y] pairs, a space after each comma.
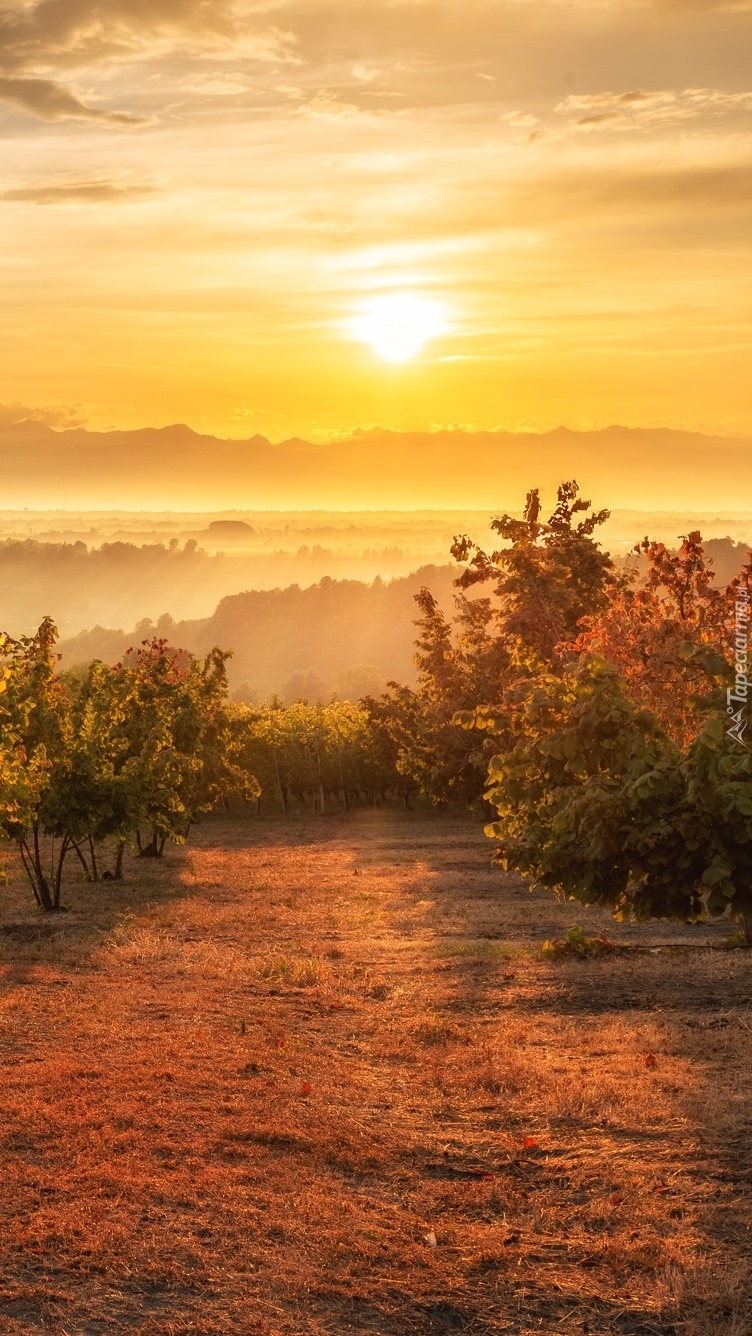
{"points": [[301, 218]]}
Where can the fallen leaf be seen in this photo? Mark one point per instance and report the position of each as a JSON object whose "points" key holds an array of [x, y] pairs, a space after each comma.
{"points": [[615, 1199], [650, 1060], [530, 1143], [305, 1089], [430, 1239]]}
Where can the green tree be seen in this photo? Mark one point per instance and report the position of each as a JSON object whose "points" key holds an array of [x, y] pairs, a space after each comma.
{"points": [[86, 758], [596, 801], [34, 731], [178, 749], [455, 662], [548, 576], [319, 755]]}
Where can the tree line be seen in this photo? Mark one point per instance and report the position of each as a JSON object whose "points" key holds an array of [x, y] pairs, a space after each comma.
{"points": [[95, 760]]}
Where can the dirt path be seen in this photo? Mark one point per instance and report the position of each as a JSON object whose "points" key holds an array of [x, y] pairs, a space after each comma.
{"points": [[313, 1078]]}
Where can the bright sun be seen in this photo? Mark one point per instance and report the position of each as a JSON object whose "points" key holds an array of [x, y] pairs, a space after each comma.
{"points": [[398, 325]]}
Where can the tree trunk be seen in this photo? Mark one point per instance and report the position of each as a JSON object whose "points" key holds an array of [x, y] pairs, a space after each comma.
{"points": [[119, 860], [94, 868], [82, 860], [150, 850], [31, 859], [345, 803], [58, 876], [282, 798]]}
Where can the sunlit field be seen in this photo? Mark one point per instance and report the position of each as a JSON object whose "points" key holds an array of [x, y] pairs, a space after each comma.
{"points": [[315, 1076]]}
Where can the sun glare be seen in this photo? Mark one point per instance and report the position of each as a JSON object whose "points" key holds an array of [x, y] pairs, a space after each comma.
{"points": [[399, 325]]}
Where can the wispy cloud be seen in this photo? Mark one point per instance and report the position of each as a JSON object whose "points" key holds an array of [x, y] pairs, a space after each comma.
{"points": [[42, 45], [637, 108], [60, 34], [58, 415], [710, 6], [79, 32], [75, 192], [327, 105], [50, 101]]}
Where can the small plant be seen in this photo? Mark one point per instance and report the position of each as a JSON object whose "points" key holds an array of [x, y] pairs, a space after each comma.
{"points": [[575, 944], [297, 973], [141, 943], [434, 1029]]}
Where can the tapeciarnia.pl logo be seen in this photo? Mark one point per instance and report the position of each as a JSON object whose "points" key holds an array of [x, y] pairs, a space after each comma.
{"points": [[737, 696]]}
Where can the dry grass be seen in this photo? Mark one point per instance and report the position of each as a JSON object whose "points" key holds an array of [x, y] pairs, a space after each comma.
{"points": [[246, 1092]]}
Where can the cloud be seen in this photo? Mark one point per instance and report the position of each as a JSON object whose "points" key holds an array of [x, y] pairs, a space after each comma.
{"points": [[75, 192], [327, 106], [54, 34], [520, 120], [52, 102], [59, 415], [637, 108], [42, 43], [674, 203], [709, 6], [78, 31]]}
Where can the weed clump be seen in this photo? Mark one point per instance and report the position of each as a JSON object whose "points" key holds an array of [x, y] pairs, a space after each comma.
{"points": [[577, 945], [277, 967]]}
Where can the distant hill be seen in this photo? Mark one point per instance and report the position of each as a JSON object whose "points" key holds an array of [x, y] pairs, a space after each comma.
{"points": [[230, 530], [316, 638], [175, 467]]}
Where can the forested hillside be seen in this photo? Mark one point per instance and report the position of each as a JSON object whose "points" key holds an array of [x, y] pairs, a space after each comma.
{"points": [[294, 641], [119, 583]]}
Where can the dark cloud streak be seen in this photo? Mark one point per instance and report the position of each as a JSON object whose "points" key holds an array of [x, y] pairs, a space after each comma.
{"points": [[50, 101], [77, 31], [75, 192]]}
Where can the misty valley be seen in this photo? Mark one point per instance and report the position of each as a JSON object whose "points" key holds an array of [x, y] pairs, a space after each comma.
{"points": [[310, 604]]}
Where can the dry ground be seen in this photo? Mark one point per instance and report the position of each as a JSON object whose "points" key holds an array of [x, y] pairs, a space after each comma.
{"points": [[312, 1077]]}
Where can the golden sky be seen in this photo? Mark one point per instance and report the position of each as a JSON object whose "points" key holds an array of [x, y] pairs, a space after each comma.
{"points": [[206, 205]]}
